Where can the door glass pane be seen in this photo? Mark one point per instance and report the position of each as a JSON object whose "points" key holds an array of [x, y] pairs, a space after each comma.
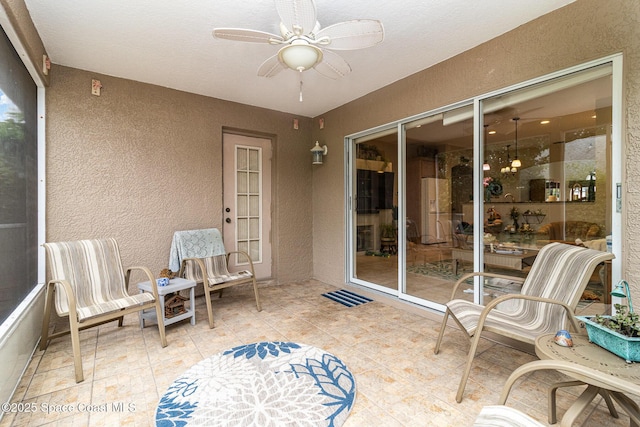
{"points": [[242, 205], [242, 182], [254, 182], [254, 249], [376, 221], [242, 159], [254, 228], [560, 131], [254, 160], [439, 203], [243, 229], [254, 205], [248, 200]]}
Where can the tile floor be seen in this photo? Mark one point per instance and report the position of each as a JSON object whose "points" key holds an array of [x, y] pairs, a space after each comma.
{"points": [[387, 345]]}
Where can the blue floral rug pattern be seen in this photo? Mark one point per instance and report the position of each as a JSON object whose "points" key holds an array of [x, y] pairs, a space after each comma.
{"points": [[261, 384]]}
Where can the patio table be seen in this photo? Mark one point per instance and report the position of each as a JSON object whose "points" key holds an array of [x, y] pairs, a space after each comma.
{"points": [[621, 377]]}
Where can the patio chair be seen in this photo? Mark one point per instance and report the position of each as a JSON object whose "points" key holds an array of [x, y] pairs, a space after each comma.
{"points": [[504, 416], [550, 293], [89, 286], [202, 258]]}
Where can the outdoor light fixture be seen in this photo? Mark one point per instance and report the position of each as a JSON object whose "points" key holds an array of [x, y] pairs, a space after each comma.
{"points": [[623, 292], [317, 151], [516, 162]]}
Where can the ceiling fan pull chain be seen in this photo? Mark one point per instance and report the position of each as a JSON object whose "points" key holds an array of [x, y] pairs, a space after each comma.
{"points": [[300, 85]]}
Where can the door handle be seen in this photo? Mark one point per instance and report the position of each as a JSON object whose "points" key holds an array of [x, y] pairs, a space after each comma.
{"points": [[228, 220]]}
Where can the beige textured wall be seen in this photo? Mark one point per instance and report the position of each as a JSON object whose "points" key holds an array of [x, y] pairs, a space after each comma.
{"points": [[583, 31], [141, 161]]}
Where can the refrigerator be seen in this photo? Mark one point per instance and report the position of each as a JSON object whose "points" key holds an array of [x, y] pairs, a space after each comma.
{"points": [[435, 208]]}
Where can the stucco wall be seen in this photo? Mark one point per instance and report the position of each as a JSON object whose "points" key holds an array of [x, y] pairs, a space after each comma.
{"points": [[141, 161], [582, 31]]}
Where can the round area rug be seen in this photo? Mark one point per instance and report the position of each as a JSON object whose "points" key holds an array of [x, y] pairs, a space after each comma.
{"points": [[261, 384]]}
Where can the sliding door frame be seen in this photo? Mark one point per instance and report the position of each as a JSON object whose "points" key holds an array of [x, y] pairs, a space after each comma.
{"points": [[616, 183]]}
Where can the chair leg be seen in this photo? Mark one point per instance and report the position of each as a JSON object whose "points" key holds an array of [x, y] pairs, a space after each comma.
{"points": [[467, 370], [441, 334], [579, 406], [553, 418], [160, 318], [75, 345], [48, 303], [255, 290], [207, 298]]}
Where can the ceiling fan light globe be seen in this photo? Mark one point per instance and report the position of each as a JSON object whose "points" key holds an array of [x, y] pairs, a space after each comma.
{"points": [[300, 55]]}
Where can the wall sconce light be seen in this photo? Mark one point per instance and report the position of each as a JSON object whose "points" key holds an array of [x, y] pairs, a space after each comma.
{"points": [[317, 151], [622, 291]]}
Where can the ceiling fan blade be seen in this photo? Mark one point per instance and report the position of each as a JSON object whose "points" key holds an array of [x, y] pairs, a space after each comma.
{"points": [[271, 67], [356, 34], [332, 65], [299, 16], [244, 35]]}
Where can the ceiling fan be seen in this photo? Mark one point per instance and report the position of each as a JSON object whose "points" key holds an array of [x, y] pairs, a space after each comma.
{"points": [[305, 44]]}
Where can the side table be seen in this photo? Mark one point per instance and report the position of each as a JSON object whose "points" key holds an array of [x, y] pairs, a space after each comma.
{"points": [[174, 285], [603, 372]]}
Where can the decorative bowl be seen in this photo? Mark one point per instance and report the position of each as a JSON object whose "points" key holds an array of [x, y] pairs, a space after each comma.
{"points": [[563, 338]]}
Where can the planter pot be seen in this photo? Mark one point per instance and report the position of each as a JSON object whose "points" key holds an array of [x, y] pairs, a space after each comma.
{"points": [[626, 347]]}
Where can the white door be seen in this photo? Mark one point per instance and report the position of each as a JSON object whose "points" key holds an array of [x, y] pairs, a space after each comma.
{"points": [[247, 201]]}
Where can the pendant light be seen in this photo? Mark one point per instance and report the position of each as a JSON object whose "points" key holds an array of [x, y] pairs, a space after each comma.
{"points": [[486, 166], [509, 169], [516, 162]]}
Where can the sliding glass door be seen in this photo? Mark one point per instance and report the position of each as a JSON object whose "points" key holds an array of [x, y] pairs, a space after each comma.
{"points": [[438, 201], [375, 214], [548, 174], [483, 185]]}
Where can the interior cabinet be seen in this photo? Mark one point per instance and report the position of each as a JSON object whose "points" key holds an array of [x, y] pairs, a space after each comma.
{"points": [[374, 191], [541, 189]]}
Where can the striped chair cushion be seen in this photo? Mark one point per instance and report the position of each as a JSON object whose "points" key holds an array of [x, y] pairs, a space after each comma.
{"points": [[560, 272], [94, 270], [217, 271], [504, 416]]}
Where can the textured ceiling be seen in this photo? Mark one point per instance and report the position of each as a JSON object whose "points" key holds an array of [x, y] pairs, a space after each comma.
{"points": [[169, 43]]}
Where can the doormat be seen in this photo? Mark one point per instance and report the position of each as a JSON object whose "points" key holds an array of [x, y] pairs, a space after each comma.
{"points": [[347, 298]]}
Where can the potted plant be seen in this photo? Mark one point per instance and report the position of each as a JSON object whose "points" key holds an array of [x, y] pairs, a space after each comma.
{"points": [[388, 232], [619, 334]]}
